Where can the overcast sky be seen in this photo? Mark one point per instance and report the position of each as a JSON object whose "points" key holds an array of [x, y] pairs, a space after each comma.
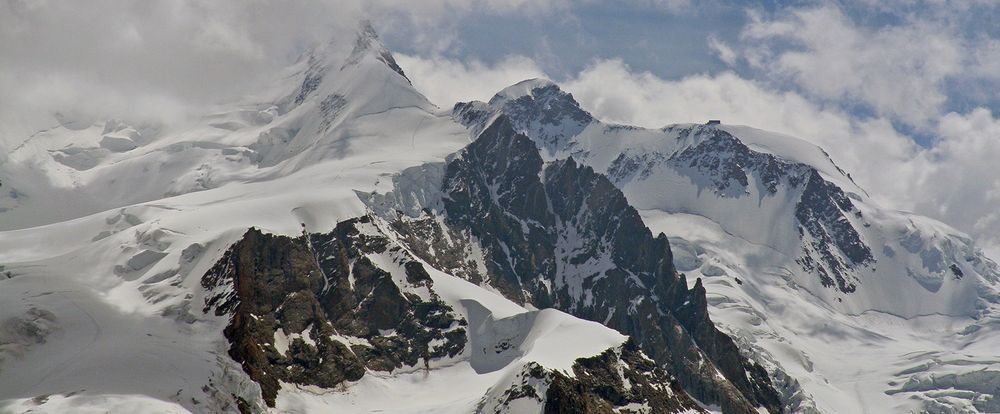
{"points": [[902, 93]]}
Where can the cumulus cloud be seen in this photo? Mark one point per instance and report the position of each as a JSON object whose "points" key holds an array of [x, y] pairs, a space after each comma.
{"points": [[829, 56], [447, 81], [954, 179], [615, 93], [962, 176]]}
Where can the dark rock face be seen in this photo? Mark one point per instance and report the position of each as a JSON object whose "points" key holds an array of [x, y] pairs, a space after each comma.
{"points": [[728, 165], [313, 78], [832, 247], [312, 288], [630, 167], [822, 213], [471, 114], [955, 270], [453, 251], [329, 108], [320, 289], [619, 380], [494, 183], [368, 41], [598, 387], [560, 235]]}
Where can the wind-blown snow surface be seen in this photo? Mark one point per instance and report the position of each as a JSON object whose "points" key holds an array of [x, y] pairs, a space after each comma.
{"points": [[914, 326]]}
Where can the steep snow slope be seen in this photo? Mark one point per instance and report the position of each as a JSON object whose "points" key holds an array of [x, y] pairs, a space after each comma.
{"points": [[797, 259]]}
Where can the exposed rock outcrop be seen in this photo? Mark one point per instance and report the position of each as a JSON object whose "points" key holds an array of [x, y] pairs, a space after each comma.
{"points": [[295, 304]]}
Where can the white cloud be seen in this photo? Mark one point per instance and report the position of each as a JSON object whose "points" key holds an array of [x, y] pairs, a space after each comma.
{"points": [[445, 81], [148, 60], [432, 25], [899, 71], [954, 180], [961, 177], [615, 93], [722, 50]]}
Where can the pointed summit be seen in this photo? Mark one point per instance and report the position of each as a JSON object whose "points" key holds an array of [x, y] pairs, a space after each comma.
{"points": [[353, 64], [368, 43]]}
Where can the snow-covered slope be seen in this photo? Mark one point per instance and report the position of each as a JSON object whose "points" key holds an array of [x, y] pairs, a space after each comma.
{"points": [[797, 259]]}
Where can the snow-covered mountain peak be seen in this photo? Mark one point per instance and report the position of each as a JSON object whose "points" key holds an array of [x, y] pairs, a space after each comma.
{"points": [[795, 150], [368, 59], [319, 109], [526, 87], [551, 116], [368, 43], [537, 105]]}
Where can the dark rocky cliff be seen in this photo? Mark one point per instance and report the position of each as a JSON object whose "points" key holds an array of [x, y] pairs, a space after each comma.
{"points": [[315, 287], [560, 235]]}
